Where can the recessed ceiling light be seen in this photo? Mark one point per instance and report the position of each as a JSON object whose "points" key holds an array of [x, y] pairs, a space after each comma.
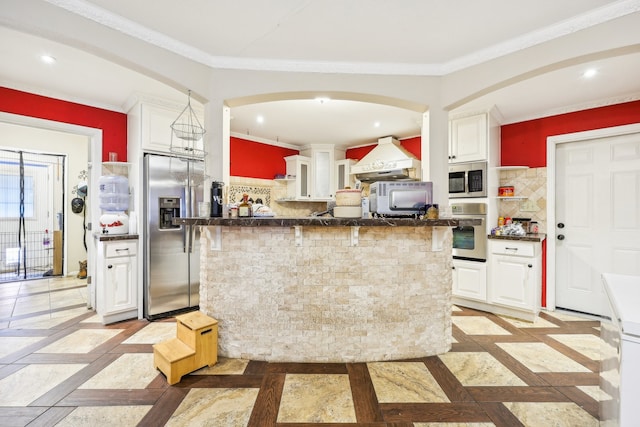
{"points": [[260, 119], [591, 72], [376, 124], [48, 59]]}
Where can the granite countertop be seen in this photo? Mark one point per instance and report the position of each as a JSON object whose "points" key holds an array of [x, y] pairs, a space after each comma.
{"points": [[529, 237], [113, 237], [325, 222]]}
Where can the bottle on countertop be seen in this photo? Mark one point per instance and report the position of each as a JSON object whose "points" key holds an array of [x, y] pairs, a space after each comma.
{"points": [[244, 208], [433, 212]]}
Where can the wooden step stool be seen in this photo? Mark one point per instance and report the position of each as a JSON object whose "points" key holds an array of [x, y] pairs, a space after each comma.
{"points": [[195, 347]]}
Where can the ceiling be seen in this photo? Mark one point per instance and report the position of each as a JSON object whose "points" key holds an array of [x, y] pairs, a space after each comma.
{"points": [[364, 37]]}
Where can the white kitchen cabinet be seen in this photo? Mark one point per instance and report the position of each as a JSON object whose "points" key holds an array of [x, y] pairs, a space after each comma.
{"points": [[323, 158], [344, 178], [515, 276], [469, 280], [299, 167], [117, 279], [314, 171], [155, 127], [468, 138]]}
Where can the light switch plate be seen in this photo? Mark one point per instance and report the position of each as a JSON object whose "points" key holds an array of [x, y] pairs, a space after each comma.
{"points": [[528, 206]]}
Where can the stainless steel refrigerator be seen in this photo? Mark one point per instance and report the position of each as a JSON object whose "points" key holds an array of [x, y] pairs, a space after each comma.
{"points": [[173, 189]]}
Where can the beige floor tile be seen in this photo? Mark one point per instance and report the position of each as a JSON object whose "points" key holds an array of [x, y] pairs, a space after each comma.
{"points": [[153, 333], [42, 321], [479, 369], [569, 317], [556, 414], [81, 341], [9, 290], [32, 304], [539, 357], [129, 371], [538, 323], [67, 282], [48, 320], [215, 407], [405, 382], [31, 286], [224, 367], [66, 298], [70, 313], [587, 344], [478, 325], [28, 384], [93, 319], [6, 307], [105, 416], [309, 398], [10, 345], [595, 392]]}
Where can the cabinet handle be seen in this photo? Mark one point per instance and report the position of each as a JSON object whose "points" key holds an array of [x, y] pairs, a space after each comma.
{"points": [[120, 250], [511, 249], [109, 266], [530, 266]]}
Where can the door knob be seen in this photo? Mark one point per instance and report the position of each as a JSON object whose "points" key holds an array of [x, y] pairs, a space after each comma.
{"points": [[560, 236], [109, 266], [560, 225]]}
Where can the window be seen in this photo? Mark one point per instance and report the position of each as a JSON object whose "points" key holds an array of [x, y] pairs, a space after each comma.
{"points": [[10, 196]]}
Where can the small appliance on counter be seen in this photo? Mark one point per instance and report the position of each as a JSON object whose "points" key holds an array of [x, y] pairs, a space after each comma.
{"points": [[399, 198], [114, 201], [216, 199]]}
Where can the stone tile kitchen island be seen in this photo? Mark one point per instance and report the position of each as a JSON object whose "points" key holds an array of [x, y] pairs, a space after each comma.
{"points": [[326, 289]]}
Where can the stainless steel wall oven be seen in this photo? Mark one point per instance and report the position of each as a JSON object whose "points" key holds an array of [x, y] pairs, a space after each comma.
{"points": [[470, 242]]}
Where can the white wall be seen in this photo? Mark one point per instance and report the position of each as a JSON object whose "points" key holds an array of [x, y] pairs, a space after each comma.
{"points": [[76, 148]]}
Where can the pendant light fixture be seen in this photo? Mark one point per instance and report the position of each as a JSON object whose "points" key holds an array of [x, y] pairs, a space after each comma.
{"points": [[188, 133], [187, 143]]}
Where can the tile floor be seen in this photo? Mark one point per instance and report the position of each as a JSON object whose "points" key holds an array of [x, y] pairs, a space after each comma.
{"points": [[60, 366]]}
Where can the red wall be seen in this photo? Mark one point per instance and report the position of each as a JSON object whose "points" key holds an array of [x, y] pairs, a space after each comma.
{"points": [[112, 124], [256, 160], [525, 143], [412, 145]]}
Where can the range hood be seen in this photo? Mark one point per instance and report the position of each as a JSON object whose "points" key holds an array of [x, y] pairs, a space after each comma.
{"points": [[388, 161]]}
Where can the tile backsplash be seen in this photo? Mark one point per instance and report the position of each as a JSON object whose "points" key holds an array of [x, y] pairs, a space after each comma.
{"points": [[271, 192], [532, 184]]}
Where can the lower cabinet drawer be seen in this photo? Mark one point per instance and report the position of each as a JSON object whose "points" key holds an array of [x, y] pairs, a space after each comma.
{"points": [[120, 249], [512, 248]]}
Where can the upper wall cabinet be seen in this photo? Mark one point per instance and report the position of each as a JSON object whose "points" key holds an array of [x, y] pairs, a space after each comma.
{"points": [[156, 123], [468, 138], [315, 172], [344, 178], [323, 158]]}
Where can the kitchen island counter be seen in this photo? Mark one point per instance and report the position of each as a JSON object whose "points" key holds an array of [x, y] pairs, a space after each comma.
{"points": [[321, 221], [326, 289]]}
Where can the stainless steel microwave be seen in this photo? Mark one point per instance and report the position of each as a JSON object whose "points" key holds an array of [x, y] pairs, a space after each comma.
{"points": [[399, 198], [468, 180]]}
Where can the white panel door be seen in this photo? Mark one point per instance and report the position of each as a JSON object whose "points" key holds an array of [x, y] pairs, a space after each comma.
{"points": [[597, 218]]}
